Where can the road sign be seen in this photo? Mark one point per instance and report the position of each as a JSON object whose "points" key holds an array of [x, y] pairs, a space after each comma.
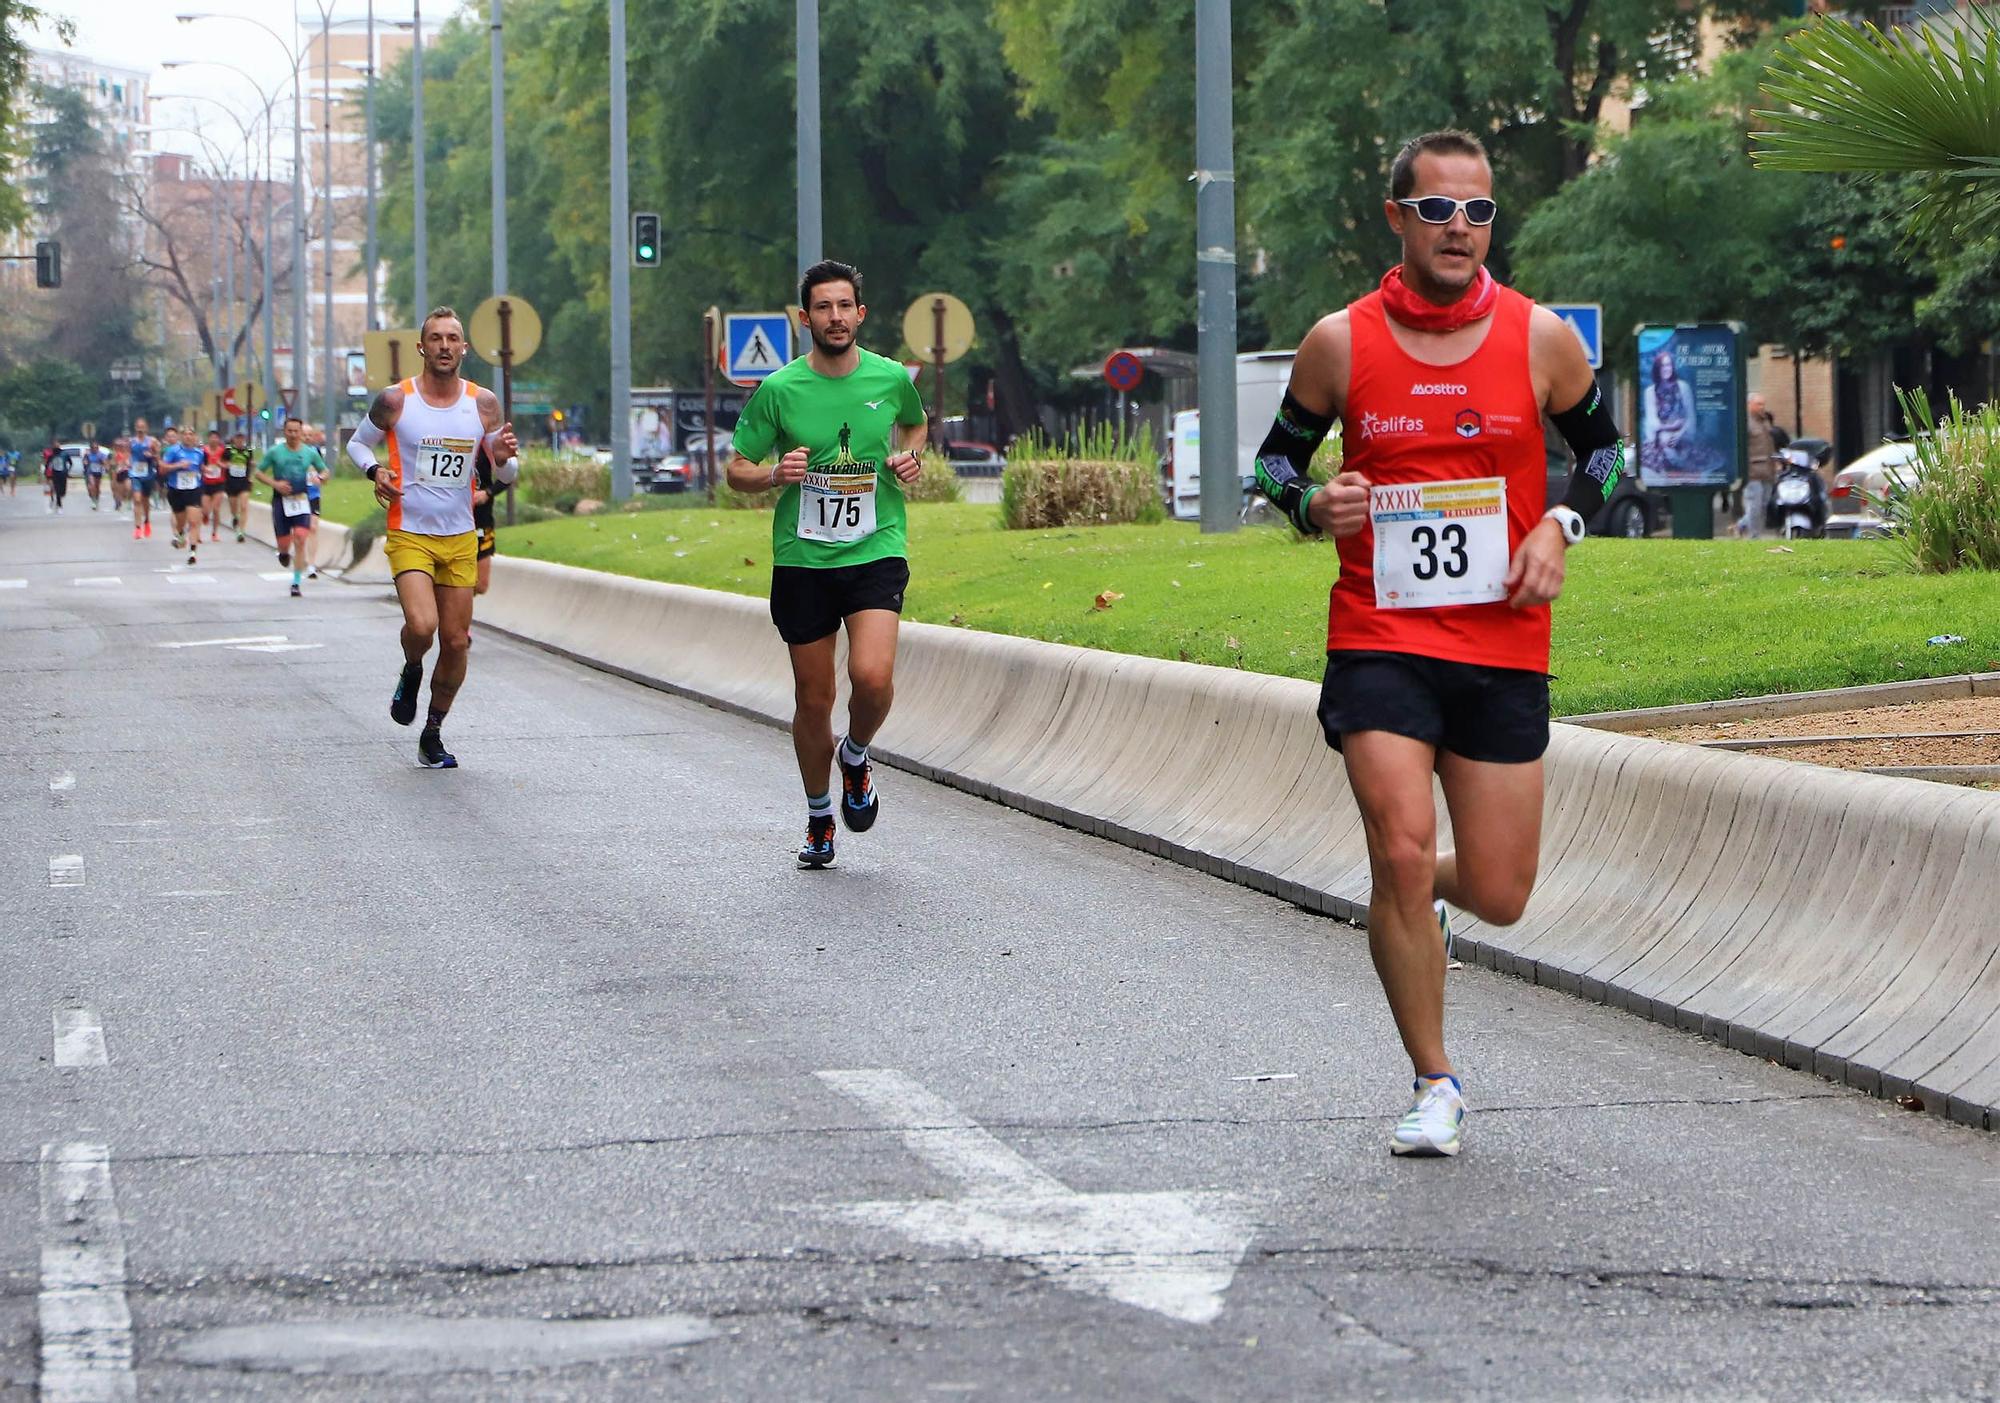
{"points": [[128, 370], [89, 427], [524, 329], [755, 344], [1586, 319], [1122, 371], [391, 356], [229, 403], [920, 327]]}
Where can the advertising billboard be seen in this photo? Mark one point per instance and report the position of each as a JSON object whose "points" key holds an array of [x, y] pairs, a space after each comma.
{"points": [[1690, 406]]}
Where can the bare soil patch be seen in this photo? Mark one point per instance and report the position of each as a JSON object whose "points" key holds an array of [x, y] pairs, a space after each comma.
{"points": [[1858, 734]]}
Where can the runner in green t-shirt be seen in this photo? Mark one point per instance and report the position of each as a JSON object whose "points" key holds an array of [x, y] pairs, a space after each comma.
{"points": [[850, 426]]}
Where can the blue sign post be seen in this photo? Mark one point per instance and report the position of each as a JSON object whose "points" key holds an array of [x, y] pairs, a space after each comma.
{"points": [[755, 345], [1586, 319]]}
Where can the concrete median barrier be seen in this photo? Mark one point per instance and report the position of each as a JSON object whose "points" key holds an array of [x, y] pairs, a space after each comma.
{"points": [[1842, 923]]}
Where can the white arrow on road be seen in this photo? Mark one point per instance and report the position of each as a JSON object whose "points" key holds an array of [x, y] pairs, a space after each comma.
{"points": [[1173, 1252], [225, 642]]}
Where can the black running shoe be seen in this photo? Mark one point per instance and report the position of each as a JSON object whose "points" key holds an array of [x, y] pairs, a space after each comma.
{"points": [[403, 706], [859, 804], [431, 753], [818, 848], [285, 559], [298, 593]]}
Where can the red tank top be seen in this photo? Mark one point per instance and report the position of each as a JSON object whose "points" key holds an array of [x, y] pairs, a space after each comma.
{"points": [[1409, 422]]}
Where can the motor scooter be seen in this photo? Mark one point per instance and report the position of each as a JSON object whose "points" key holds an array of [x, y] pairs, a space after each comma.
{"points": [[1798, 502]]}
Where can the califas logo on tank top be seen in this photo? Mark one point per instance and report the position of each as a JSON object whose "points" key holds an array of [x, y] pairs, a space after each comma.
{"points": [[1375, 425]]}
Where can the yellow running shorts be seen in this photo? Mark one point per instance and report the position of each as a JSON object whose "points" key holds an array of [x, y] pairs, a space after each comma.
{"points": [[451, 561]]}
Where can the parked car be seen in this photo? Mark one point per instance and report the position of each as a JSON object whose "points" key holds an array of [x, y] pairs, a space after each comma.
{"points": [[1860, 488], [697, 454], [672, 473], [1632, 510], [971, 459]]}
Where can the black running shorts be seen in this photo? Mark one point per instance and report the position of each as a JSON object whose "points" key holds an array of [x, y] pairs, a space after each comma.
{"points": [[487, 544], [183, 499], [1495, 714], [808, 604]]}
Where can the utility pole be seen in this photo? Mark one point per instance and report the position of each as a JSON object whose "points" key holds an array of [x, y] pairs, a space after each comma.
{"points": [[621, 272], [499, 160], [330, 415], [299, 358], [422, 250], [1215, 265], [368, 121], [807, 106]]}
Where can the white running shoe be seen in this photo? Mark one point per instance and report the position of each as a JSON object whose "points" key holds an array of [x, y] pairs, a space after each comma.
{"points": [[1435, 1122]]}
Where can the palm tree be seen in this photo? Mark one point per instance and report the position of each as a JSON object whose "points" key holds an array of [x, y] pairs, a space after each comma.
{"points": [[1918, 100]]}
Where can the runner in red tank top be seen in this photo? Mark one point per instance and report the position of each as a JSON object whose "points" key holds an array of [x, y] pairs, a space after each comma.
{"points": [[1438, 629]]}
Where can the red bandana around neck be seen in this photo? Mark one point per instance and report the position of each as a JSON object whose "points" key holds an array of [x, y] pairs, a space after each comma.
{"points": [[1419, 315]]}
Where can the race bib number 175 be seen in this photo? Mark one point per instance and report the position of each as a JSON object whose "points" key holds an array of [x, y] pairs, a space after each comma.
{"points": [[1440, 543]]}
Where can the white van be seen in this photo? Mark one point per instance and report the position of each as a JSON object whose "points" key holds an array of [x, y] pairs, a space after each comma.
{"points": [[1261, 377]]}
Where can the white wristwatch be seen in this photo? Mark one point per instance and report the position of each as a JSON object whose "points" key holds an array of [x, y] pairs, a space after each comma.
{"points": [[1571, 523]]}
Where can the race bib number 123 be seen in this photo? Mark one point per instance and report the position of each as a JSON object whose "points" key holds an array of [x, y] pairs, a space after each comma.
{"points": [[1440, 543]]}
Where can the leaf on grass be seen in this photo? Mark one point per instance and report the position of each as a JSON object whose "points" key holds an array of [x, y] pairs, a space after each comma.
{"points": [[958, 621], [749, 560], [1235, 645], [1175, 583], [1048, 584], [1778, 550], [1107, 599]]}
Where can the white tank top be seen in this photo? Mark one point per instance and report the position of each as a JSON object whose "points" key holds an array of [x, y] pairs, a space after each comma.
{"points": [[431, 453]]}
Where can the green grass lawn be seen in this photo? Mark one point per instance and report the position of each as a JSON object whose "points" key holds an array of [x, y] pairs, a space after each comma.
{"points": [[1642, 623], [347, 498]]}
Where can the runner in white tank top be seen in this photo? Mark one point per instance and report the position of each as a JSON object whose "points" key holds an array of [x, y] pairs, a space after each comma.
{"points": [[432, 427]]}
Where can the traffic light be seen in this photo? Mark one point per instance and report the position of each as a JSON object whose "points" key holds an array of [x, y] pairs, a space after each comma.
{"points": [[264, 414], [646, 240], [48, 263]]}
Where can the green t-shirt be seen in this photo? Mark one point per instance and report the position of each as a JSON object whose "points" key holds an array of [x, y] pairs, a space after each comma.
{"points": [[291, 465], [849, 510]]}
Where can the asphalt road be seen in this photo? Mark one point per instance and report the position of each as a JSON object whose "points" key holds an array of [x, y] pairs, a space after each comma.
{"points": [[552, 1078]]}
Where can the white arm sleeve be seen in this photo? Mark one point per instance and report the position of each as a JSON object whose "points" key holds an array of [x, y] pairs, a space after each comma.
{"points": [[505, 474], [361, 445]]}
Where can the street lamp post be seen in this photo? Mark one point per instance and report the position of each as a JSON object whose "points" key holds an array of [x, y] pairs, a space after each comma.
{"points": [[499, 160], [807, 134], [329, 415], [621, 272], [1215, 264], [421, 251]]}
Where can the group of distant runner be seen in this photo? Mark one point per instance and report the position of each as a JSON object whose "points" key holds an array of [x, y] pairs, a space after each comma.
{"points": [[1450, 554], [201, 482]]}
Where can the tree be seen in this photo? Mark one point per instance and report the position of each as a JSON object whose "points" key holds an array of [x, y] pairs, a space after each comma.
{"points": [[1915, 101], [16, 18], [94, 316], [50, 396]]}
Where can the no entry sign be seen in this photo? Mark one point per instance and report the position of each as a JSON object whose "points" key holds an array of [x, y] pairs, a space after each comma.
{"points": [[1122, 371]]}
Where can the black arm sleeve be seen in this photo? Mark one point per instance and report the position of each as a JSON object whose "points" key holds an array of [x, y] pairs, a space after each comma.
{"points": [[1284, 459], [1587, 428]]}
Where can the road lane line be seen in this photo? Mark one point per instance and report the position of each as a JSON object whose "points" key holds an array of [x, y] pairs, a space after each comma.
{"points": [[79, 1039], [275, 647], [190, 579], [86, 1325], [1175, 1253], [88, 581], [226, 642], [62, 783], [13, 584], [66, 870], [941, 1135]]}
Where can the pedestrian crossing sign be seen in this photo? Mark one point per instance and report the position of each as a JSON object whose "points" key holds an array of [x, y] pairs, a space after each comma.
{"points": [[755, 344]]}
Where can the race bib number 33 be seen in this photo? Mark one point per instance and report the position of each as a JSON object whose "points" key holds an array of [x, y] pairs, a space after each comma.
{"points": [[837, 507], [1440, 543]]}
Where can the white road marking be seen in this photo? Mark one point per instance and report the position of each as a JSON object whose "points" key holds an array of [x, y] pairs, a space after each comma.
{"points": [[62, 782], [13, 584], [275, 647], [87, 581], [1174, 1253], [201, 891], [1268, 1076], [190, 579], [276, 577], [131, 823], [79, 1039], [86, 1326], [66, 870], [226, 642]]}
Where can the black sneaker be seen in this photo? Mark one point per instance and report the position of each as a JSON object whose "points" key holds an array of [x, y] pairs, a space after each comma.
{"points": [[818, 848], [285, 560], [431, 753], [403, 706], [298, 593], [859, 804]]}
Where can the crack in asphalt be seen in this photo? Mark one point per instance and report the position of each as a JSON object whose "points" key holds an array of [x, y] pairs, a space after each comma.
{"points": [[1027, 1127]]}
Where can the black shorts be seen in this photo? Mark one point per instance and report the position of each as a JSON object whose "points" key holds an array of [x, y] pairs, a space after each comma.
{"points": [[236, 486], [214, 489], [1495, 714], [181, 499], [487, 544], [808, 604], [315, 507]]}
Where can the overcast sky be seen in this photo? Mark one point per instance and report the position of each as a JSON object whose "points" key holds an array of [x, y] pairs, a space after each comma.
{"points": [[142, 33]]}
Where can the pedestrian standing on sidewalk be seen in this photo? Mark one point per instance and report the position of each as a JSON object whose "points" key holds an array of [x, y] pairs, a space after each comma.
{"points": [[1766, 438]]}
